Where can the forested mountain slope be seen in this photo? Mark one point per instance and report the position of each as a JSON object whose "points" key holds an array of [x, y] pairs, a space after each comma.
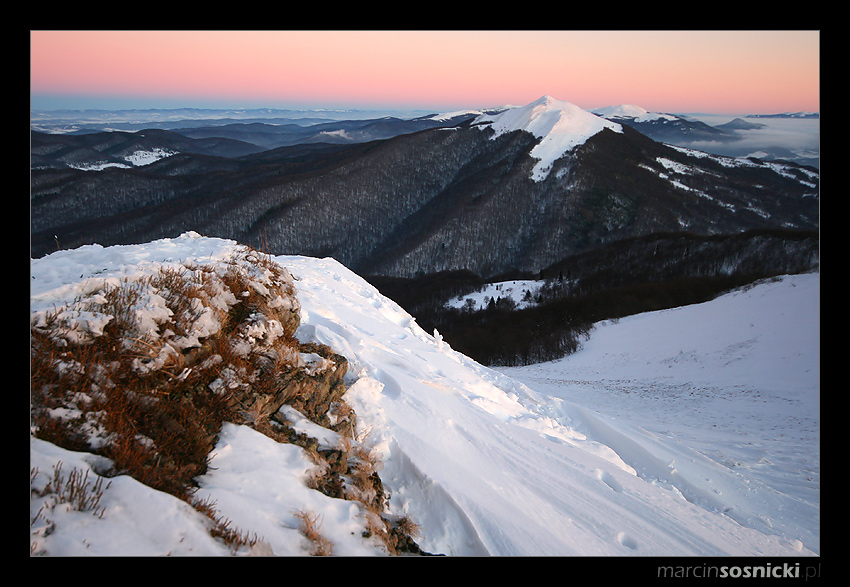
{"points": [[462, 198]]}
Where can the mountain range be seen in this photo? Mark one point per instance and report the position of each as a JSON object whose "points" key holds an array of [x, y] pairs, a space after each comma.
{"points": [[509, 189]]}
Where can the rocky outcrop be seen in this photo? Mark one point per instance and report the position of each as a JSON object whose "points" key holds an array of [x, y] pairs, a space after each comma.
{"points": [[146, 372]]}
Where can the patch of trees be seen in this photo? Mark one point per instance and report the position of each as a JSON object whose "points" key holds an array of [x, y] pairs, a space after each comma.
{"points": [[624, 278]]}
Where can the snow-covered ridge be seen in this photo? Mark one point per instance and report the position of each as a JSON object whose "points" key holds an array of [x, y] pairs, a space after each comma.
{"points": [[560, 126], [485, 464], [136, 159], [449, 115], [631, 112]]}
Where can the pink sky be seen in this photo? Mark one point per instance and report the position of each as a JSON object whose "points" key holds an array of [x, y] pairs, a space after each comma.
{"points": [[667, 71]]}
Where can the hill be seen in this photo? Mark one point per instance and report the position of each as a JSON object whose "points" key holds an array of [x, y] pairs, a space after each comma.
{"points": [[481, 463]]}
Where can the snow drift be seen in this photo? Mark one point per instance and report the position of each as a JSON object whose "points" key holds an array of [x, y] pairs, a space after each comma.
{"points": [[485, 464]]}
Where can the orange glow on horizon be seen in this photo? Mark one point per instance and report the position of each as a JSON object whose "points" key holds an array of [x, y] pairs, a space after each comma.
{"points": [[668, 71]]}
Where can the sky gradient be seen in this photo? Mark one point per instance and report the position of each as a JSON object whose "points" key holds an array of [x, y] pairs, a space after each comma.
{"points": [[664, 71]]}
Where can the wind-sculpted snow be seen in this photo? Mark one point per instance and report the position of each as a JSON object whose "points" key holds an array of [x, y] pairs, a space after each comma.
{"points": [[519, 465], [484, 464]]}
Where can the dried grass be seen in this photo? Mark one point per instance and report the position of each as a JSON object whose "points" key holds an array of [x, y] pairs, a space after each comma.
{"points": [[309, 526], [153, 401]]}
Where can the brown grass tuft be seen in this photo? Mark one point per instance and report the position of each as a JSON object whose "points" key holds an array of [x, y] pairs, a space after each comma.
{"points": [[221, 528], [309, 527]]}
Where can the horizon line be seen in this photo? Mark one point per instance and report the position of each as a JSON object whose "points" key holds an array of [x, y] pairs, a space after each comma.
{"points": [[374, 108]]}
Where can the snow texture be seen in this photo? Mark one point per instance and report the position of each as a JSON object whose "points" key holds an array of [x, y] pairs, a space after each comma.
{"points": [[692, 431]]}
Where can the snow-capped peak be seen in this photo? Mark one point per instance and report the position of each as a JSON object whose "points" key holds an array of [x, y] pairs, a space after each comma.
{"points": [[621, 111], [559, 125], [631, 112]]}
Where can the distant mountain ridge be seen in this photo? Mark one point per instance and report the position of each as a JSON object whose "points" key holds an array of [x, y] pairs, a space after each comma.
{"points": [[268, 128], [98, 120], [743, 136], [518, 189], [226, 138], [97, 150], [664, 127], [272, 136], [787, 115]]}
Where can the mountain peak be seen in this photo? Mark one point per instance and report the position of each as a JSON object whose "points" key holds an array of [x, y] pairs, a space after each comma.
{"points": [[559, 125]]}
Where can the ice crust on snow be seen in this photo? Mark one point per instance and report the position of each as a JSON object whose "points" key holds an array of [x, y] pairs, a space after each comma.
{"points": [[560, 126], [581, 456]]}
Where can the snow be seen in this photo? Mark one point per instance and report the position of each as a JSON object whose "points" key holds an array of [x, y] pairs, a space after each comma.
{"points": [[631, 112], [728, 391], [442, 116], [621, 111], [339, 134], [135, 159], [650, 441], [520, 291], [560, 126]]}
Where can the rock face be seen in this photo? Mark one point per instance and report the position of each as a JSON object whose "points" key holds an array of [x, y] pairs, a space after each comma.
{"points": [[314, 390]]}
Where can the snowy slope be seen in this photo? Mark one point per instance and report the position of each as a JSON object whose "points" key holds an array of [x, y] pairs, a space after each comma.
{"points": [[719, 401], [483, 463], [559, 125]]}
